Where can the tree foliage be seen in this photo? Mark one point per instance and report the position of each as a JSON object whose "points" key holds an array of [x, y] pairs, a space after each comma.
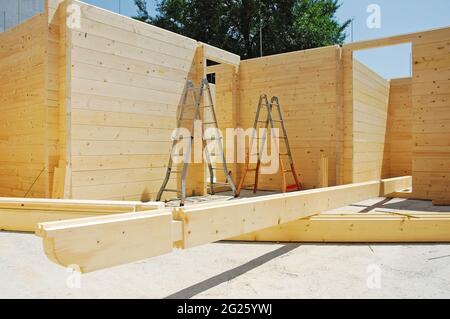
{"points": [[234, 25]]}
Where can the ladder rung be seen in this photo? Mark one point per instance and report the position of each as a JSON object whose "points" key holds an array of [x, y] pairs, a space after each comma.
{"points": [[284, 154], [206, 106], [176, 172], [278, 121], [287, 171], [209, 123]]}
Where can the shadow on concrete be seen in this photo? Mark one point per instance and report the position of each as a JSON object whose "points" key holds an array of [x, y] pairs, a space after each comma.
{"points": [[407, 204], [232, 273], [368, 209]]}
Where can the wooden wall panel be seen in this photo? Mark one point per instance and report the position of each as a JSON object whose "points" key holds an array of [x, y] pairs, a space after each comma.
{"points": [[431, 115], [58, 132], [127, 80], [23, 120], [305, 83], [400, 127], [347, 64], [370, 117], [430, 108]]}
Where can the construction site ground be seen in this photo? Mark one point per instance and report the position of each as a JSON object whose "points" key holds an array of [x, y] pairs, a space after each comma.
{"points": [[243, 270]]}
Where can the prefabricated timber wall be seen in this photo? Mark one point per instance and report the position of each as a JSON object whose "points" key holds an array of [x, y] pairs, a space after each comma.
{"points": [[89, 99], [306, 84], [431, 110], [430, 91], [99, 101], [400, 127], [127, 80], [370, 124], [24, 164]]}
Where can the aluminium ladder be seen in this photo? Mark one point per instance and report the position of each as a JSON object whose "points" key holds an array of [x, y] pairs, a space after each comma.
{"points": [[269, 121], [196, 99]]}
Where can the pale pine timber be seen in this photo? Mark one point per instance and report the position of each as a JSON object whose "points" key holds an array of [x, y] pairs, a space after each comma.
{"points": [[90, 242]]}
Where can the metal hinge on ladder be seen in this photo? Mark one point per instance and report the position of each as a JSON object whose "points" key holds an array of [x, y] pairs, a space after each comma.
{"points": [[208, 108], [269, 121]]}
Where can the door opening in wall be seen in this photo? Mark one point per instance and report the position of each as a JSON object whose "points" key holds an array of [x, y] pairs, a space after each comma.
{"points": [[382, 112]]}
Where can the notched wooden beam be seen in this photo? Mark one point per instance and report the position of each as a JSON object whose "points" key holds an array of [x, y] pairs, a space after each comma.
{"points": [[107, 241]]}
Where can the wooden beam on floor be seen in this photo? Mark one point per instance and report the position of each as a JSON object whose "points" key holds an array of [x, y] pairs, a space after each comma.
{"points": [[23, 214], [97, 243], [385, 227], [102, 242], [396, 184], [206, 225]]}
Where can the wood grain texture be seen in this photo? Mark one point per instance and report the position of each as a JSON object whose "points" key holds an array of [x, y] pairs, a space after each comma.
{"points": [[23, 214], [400, 127], [127, 80], [106, 241], [370, 124], [24, 150], [431, 115], [306, 85]]}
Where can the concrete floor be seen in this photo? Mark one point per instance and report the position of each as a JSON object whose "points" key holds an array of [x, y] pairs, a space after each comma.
{"points": [[241, 270]]}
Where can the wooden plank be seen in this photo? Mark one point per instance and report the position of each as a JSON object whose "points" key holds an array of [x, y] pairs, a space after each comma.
{"points": [[323, 172], [59, 177], [108, 241], [101, 242], [393, 227], [370, 117], [24, 120], [23, 214], [430, 109], [418, 37], [231, 219], [221, 56]]}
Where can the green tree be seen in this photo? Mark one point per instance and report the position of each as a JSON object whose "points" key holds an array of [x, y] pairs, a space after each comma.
{"points": [[234, 25]]}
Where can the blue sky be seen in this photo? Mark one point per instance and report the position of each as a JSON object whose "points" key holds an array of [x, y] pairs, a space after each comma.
{"points": [[397, 17]]}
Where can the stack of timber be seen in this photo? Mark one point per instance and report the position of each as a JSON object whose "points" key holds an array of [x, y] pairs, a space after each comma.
{"points": [[23, 214]]}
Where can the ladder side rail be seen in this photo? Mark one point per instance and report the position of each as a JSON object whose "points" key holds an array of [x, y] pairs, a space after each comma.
{"points": [[212, 109], [180, 117]]}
